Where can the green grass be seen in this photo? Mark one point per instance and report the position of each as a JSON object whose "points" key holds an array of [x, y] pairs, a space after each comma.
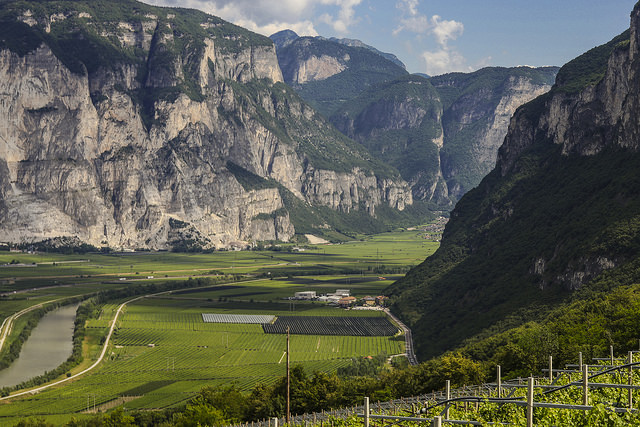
{"points": [[189, 353]]}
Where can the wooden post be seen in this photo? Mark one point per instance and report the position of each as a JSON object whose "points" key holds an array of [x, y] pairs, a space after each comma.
{"points": [[530, 402], [611, 354], [499, 380], [288, 382], [437, 421], [580, 361], [550, 369], [448, 389], [585, 385], [366, 412], [630, 380]]}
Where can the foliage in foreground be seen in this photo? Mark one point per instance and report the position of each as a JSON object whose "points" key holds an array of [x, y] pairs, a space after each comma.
{"points": [[608, 318]]}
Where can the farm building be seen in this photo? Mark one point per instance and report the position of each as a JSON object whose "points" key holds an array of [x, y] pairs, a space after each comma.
{"points": [[347, 301], [305, 295], [340, 293], [369, 300], [381, 300], [332, 299]]}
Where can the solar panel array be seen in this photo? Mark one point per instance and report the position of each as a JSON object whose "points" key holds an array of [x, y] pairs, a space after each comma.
{"points": [[316, 325], [237, 318]]}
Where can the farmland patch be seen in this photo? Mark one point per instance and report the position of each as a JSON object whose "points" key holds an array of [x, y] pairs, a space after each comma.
{"points": [[332, 325]]}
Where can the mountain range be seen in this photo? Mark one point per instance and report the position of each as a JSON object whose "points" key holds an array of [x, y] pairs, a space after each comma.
{"points": [[127, 125], [442, 133], [556, 220], [132, 126]]}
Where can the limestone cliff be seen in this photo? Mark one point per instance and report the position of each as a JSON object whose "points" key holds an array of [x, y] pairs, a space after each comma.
{"points": [[329, 72], [442, 133], [120, 121]]}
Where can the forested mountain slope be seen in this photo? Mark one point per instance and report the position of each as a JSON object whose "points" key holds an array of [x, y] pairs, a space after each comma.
{"points": [[442, 133], [560, 212], [328, 72]]}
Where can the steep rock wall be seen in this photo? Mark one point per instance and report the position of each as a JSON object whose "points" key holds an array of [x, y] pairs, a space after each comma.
{"points": [[133, 153]]}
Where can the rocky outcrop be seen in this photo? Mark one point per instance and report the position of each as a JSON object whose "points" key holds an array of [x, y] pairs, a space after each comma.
{"points": [[584, 120], [130, 148], [329, 72], [443, 149]]}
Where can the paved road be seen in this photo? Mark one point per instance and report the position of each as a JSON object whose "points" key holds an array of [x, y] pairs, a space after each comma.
{"points": [[104, 348], [408, 340]]}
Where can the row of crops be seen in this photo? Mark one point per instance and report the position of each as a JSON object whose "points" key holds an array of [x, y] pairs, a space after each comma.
{"points": [[162, 355], [316, 325]]}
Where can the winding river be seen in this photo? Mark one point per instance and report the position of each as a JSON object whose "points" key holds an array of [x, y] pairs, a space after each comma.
{"points": [[49, 345]]}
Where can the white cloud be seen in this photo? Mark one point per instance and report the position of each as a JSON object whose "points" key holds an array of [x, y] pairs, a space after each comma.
{"points": [[346, 15], [302, 28], [418, 24], [268, 16], [445, 30], [445, 58], [408, 6]]}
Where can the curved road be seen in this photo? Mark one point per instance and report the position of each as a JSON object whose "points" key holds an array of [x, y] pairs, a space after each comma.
{"points": [[408, 340], [104, 348], [7, 324]]}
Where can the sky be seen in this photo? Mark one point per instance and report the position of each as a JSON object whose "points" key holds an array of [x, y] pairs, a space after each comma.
{"points": [[440, 36]]}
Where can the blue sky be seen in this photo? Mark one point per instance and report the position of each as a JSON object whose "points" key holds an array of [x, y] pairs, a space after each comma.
{"points": [[439, 36]]}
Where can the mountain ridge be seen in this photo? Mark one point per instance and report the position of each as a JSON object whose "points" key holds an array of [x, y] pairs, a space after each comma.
{"points": [[557, 215], [442, 133]]}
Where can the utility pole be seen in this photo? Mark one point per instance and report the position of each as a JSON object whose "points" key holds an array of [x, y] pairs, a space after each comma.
{"points": [[288, 381]]}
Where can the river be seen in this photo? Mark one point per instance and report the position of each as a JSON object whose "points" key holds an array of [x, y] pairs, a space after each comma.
{"points": [[49, 345]]}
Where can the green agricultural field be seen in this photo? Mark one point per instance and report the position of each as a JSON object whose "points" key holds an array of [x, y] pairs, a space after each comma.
{"points": [[162, 352]]}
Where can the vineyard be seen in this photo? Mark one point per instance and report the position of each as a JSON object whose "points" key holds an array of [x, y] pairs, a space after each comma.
{"points": [[604, 393], [351, 326], [163, 353]]}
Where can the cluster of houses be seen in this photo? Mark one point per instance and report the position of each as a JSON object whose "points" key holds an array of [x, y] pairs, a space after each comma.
{"points": [[342, 298]]}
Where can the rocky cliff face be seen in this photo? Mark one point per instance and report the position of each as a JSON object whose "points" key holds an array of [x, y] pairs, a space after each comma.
{"points": [[585, 120], [118, 128], [328, 72], [556, 219], [442, 133]]}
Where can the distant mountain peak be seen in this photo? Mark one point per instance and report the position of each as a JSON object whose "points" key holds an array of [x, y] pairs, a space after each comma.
{"points": [[358, 43], [283, 38]]}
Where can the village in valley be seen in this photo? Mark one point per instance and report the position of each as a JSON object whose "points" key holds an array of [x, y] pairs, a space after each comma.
{"points": [[342, 298]]}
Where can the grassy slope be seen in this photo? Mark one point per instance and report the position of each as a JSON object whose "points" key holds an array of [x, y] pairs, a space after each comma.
{"points": [[567, 210]]}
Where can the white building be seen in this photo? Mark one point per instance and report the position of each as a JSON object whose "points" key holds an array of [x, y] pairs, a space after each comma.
{"points": [[305, 295]]}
